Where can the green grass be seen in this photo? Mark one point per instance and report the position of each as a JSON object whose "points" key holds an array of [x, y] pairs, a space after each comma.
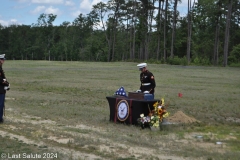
{"points": [[74, 93], [15, 147]]}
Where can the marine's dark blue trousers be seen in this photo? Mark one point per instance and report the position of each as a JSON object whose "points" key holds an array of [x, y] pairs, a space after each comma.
{"points": [[2, 98]]}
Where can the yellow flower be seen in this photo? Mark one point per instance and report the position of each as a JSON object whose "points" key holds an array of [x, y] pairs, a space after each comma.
{"points": [[155, 104], [156, 125], [166, 115], [162, 101], [160, 111]]}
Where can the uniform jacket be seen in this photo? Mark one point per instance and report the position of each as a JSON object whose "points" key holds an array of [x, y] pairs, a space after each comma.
{"points": [[146, 78], [2, 76]]}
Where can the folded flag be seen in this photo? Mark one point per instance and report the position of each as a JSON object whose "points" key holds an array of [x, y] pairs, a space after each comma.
{"points": [[121, 92]]}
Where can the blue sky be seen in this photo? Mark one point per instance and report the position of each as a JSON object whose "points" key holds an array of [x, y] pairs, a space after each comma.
{"points": [[27, 11]]}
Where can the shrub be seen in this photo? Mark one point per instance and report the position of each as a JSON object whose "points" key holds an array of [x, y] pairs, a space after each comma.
{"points": [[205, 61], [234, 55], [152, 60], [196, 61], [174, 61], [184, 61]]}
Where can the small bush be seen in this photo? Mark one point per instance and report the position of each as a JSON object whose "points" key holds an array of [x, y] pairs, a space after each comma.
{"points": [[174, 61], [184, 61], [177, 61], [234, 65], [205, 61], [201, 61], [154, 61], [196, 61], [235, 55]]}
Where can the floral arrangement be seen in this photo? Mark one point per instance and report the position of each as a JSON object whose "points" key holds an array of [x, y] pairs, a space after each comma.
{"points": [[155, 116]]}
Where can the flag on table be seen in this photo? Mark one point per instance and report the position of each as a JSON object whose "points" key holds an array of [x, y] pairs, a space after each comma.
{"points": [[121, 92]]}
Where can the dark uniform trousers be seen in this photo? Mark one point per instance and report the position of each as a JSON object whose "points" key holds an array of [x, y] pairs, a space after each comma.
{"points": [[2, 93]]}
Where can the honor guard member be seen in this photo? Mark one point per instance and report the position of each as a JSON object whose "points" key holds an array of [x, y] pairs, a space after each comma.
{"points": [[147, 79], [4, 85]]}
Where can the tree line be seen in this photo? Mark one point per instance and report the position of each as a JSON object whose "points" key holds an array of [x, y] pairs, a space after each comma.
{"points": [[133, 30]]}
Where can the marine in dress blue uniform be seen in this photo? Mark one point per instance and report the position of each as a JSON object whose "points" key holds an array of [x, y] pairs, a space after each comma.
{"points": [[147, 79], [4, 85]]}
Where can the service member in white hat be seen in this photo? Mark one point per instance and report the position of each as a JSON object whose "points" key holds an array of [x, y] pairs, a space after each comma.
{"points": [[147, 79], [4, 85]]}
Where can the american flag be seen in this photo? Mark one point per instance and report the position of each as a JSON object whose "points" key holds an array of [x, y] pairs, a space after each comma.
{"points": [[121, 92]]}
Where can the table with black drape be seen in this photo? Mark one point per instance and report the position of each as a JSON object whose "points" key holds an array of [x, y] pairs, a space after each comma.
{"points": [[136, 108]]}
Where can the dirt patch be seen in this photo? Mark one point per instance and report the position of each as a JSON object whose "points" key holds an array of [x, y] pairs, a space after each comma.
{"points": [[180, 117], [30, 119], [61, 140]]}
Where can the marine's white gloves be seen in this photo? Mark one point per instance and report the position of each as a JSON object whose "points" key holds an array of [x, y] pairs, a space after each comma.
{"points": [[138, 91], [146, 92], [7, 87]]}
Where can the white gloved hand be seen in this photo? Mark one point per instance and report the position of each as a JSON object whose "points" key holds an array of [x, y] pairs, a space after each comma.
{"points": [[146, 92], [7, 87], [138, 91]]}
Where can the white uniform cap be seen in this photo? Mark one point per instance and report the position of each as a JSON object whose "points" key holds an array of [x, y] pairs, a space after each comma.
{"points": [[141, 65], [2, 56]]}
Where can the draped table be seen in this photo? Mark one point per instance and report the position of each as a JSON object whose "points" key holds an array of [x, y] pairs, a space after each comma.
{"points": [[127, 110]]}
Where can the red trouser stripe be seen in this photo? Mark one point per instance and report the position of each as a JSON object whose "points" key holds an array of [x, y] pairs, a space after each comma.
{"points": [[130, 111], [115, 115]]}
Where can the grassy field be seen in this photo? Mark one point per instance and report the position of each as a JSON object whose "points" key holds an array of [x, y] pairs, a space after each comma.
{"points": [[59, 109]]}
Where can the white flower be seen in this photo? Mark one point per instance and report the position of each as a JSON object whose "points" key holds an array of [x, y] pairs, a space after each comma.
{"points": [[141, 115]]}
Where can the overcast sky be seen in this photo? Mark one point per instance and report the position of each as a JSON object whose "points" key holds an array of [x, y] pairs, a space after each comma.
{"points": [[27, 11]]}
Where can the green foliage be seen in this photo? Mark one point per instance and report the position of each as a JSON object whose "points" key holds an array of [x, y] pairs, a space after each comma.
{"points": [[201, 61], [196, 61], [177, 61], [234, 57], [153, 61], [184, 61], [174, 61], [234, 65]]}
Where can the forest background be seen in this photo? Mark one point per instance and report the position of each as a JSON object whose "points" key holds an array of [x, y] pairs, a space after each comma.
{"points": [[133, 30]]}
